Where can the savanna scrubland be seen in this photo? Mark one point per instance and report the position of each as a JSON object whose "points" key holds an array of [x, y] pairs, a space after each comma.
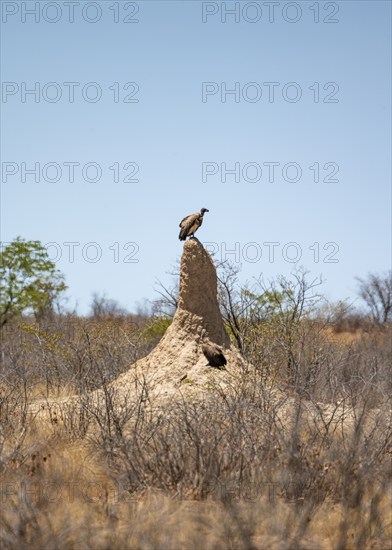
{"points": [[289, 449]]}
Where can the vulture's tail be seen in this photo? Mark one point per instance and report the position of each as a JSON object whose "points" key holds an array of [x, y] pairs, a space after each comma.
{"points": [[182, 235]]}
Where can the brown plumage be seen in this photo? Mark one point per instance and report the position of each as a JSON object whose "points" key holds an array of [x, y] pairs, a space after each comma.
{"points": [[214, 355], [190, 224]]}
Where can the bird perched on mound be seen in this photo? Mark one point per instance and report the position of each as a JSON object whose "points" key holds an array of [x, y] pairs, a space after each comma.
{"points": [[190, 224], [214, 355]]}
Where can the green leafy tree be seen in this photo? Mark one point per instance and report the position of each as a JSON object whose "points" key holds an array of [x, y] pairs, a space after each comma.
{"points": [[29, 280]]}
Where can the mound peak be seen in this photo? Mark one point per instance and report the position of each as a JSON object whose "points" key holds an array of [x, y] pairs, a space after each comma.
{"points": [[198, 302]]}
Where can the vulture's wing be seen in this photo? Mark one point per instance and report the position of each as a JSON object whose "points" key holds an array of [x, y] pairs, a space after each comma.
{"points": [[183, 220], [188, 221]]}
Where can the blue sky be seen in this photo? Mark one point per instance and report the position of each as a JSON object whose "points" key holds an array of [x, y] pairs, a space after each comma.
{"points": [[340, 229]]}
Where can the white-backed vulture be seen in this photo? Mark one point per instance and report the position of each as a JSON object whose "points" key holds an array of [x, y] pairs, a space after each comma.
{"points": [[190, 224], [214, 355]]}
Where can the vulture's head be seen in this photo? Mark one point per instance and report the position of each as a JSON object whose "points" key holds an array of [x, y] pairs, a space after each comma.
{"points": [[203, 210]]}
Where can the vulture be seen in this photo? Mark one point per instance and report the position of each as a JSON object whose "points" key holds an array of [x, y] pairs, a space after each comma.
{"points": [[214, 355], [190, 224]]}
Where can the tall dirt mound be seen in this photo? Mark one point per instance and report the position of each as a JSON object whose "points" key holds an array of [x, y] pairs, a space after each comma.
{"points": [[178, 358], [177, 365], [197, 315]]}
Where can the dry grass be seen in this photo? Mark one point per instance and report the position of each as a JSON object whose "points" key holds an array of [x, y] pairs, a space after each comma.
{"points": [[257, 463]]}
